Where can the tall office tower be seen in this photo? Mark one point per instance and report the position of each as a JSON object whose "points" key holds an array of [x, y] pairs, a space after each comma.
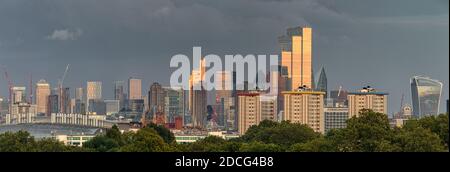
{"points": [[322, 82], [249, 112], [426, 96], [335, 117], [226, 113], [305, 106], [94, 91], [79, 94], [80, 107], [146, 103], [52, 104], [19, 95], [134, 88], [233, 118], [283, 85], [367, 98], [42, 93], [223, 99], [119, 93], [269, 107], [198, 107], [156, 98], [196, 80], [174, 103], [197, 96], [72, 105], [65, 101], [273, 82], [296, 56], [223, 80], [220, 109]]}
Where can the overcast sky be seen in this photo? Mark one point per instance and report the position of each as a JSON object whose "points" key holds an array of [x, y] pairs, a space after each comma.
{"points": [[379, 43]]}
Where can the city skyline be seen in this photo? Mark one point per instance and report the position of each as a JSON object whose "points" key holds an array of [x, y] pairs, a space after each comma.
{"points": [[382, 42], [198, 78]]}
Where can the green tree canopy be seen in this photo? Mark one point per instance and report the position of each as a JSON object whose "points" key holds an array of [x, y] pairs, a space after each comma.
{"points": [[284, 134], [52, 145], [317, 145], [436, 124], [208, 144], [260, 147], [417, 139], [102, 143], [162, 131], [115, 134], [146, 140], [370, 132]]}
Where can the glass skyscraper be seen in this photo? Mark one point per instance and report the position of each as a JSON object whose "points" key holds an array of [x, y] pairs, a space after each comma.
{"points": [[296, 56], [426, 95], [322, 82]]}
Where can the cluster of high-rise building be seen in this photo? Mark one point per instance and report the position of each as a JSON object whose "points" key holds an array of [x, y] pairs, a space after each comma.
{"points": [[301, 99], [296, 96]]}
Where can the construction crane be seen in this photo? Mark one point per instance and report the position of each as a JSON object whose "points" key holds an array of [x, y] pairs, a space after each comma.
{"points": [[339, 92], [60, 87], [10, 85], [64, 75]]}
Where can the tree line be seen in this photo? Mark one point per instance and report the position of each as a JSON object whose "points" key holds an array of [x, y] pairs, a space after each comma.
{"points": [[370, 132]]}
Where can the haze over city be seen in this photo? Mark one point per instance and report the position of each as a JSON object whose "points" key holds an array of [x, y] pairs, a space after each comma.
{"points": [[378, 43]]}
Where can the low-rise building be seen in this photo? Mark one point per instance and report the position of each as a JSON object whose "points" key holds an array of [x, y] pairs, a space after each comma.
{"points": [[78, 119], [190, 138], [73, 140], [335, 118]]}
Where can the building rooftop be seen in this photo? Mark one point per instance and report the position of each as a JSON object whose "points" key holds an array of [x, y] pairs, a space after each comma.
{"points": [[249, 94], [303, 91], [368, 91]]}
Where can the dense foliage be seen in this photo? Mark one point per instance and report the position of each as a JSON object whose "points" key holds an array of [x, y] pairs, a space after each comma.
{"points": [[23, 142], [370, 132]]}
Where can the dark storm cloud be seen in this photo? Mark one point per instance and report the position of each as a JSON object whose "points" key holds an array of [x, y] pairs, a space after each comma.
{"points": [[381, 43]]}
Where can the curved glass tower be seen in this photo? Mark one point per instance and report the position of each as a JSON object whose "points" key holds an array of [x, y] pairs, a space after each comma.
{"points": [[426, 95]]}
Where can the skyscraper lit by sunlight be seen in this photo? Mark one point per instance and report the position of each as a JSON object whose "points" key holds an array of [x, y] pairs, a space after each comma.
{"points": [[296, 56]]}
